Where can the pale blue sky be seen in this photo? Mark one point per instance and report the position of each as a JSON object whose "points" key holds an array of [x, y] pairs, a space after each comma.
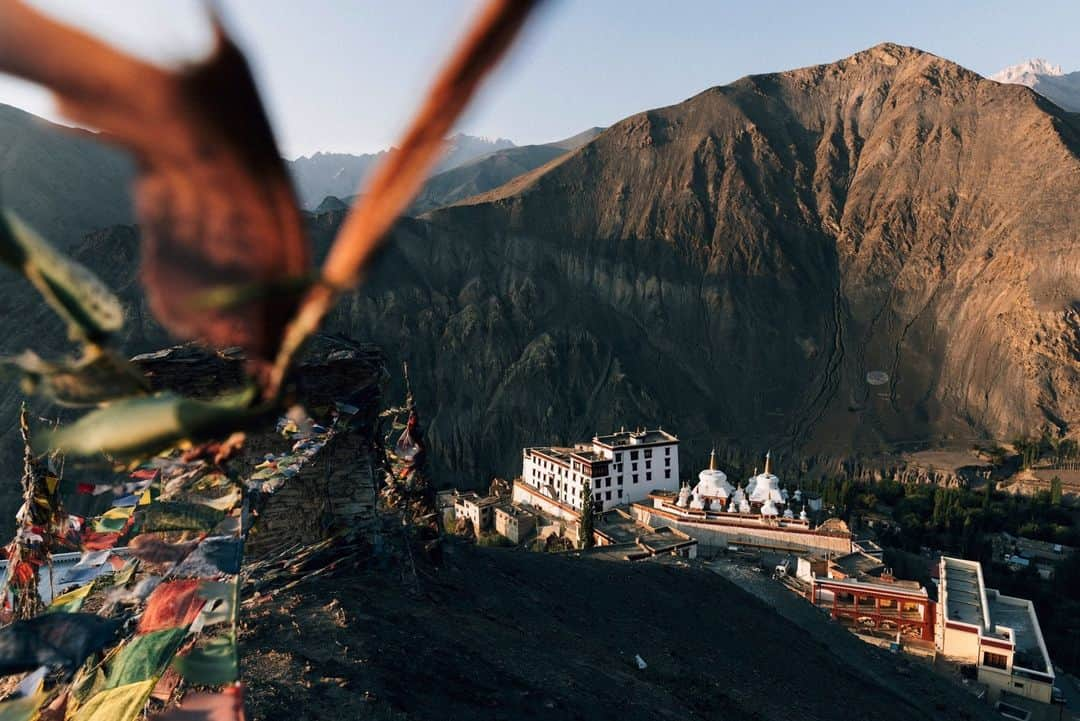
{"points": [[345, 75]]}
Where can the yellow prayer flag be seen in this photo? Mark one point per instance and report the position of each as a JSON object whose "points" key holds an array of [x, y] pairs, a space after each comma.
{"points": [[122, 703]]}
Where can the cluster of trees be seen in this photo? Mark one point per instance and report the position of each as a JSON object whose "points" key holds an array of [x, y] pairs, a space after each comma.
{"points": [[951, 519], [1060, 452]]}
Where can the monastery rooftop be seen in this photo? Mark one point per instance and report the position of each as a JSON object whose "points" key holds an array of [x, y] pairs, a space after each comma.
{"points": [[635, 438]]}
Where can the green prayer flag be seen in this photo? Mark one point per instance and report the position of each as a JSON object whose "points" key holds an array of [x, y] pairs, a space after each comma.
{"points": [[123, 703], [211, 663], [144, 657], [176, 516]]}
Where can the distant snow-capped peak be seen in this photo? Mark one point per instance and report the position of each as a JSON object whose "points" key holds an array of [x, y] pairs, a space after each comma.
{"points": [[1027, 73]]}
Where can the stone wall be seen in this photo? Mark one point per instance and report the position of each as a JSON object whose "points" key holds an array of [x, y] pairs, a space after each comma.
{"points": [[336, 489]]}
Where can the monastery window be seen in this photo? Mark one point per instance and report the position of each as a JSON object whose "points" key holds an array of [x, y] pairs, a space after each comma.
{"points": [[620, 480], [667, 451], [608, 495], [995, 660], [599, 497], [648, 452], [667, 474], [648, 465], [633, 466], [607, 483], [633, 455], [635, 478], [648, 476], [620, 493], [667, 462]]}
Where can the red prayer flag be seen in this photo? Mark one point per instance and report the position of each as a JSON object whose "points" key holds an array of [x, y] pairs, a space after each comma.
{"points": [[95, 541], [172, 604]]}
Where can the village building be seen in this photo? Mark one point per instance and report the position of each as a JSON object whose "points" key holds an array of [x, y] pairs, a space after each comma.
{"points": [[998, 634], [619, 468], [480, 510], [516, 524], [858, 590]]}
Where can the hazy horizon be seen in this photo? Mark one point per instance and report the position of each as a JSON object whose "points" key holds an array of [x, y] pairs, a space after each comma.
{"points": [[323, 68]]}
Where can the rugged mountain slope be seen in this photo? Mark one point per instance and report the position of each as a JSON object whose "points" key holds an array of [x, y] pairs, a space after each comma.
{"points": [[732, 268], [1046, 79], [492, 170], [340, 174], [62, 181]]}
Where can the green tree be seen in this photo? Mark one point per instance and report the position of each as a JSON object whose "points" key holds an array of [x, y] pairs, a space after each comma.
{"points": [[588, 511], [1055, 490]]}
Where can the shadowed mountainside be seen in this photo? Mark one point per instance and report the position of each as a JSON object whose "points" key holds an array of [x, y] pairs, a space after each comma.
{"points": [[554, 637], [62, 181], [492, 170]]}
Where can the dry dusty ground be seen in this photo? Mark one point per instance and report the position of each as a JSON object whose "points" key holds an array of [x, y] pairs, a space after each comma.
{"points": [[498, 634]]}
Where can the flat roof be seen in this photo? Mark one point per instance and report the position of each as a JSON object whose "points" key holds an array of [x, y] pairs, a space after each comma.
{"points": [[859, 564], [635, 438], [964, 596], [515, 511], [1018, 614]]}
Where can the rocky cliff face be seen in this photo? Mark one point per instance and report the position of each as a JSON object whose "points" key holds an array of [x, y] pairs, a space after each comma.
{"points": [[733, 267]]}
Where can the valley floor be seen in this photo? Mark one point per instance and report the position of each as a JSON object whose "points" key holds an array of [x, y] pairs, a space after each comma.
{"points": [[498, 634]]}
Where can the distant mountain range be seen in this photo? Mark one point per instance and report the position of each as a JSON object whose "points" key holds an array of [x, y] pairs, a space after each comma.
{"points": [[1047, 79], [340, 174]]}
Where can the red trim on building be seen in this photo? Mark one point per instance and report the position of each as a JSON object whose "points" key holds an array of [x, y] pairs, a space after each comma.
{"points": [[718, 522], [997, 644]]}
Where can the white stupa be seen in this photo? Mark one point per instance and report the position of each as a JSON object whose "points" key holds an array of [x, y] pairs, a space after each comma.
{"points": [[766, 486], [733, 507], [802, 515], [744, 506], [713, 485], [684, 496], [697, 502], [788, 513], [770, 509]]}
